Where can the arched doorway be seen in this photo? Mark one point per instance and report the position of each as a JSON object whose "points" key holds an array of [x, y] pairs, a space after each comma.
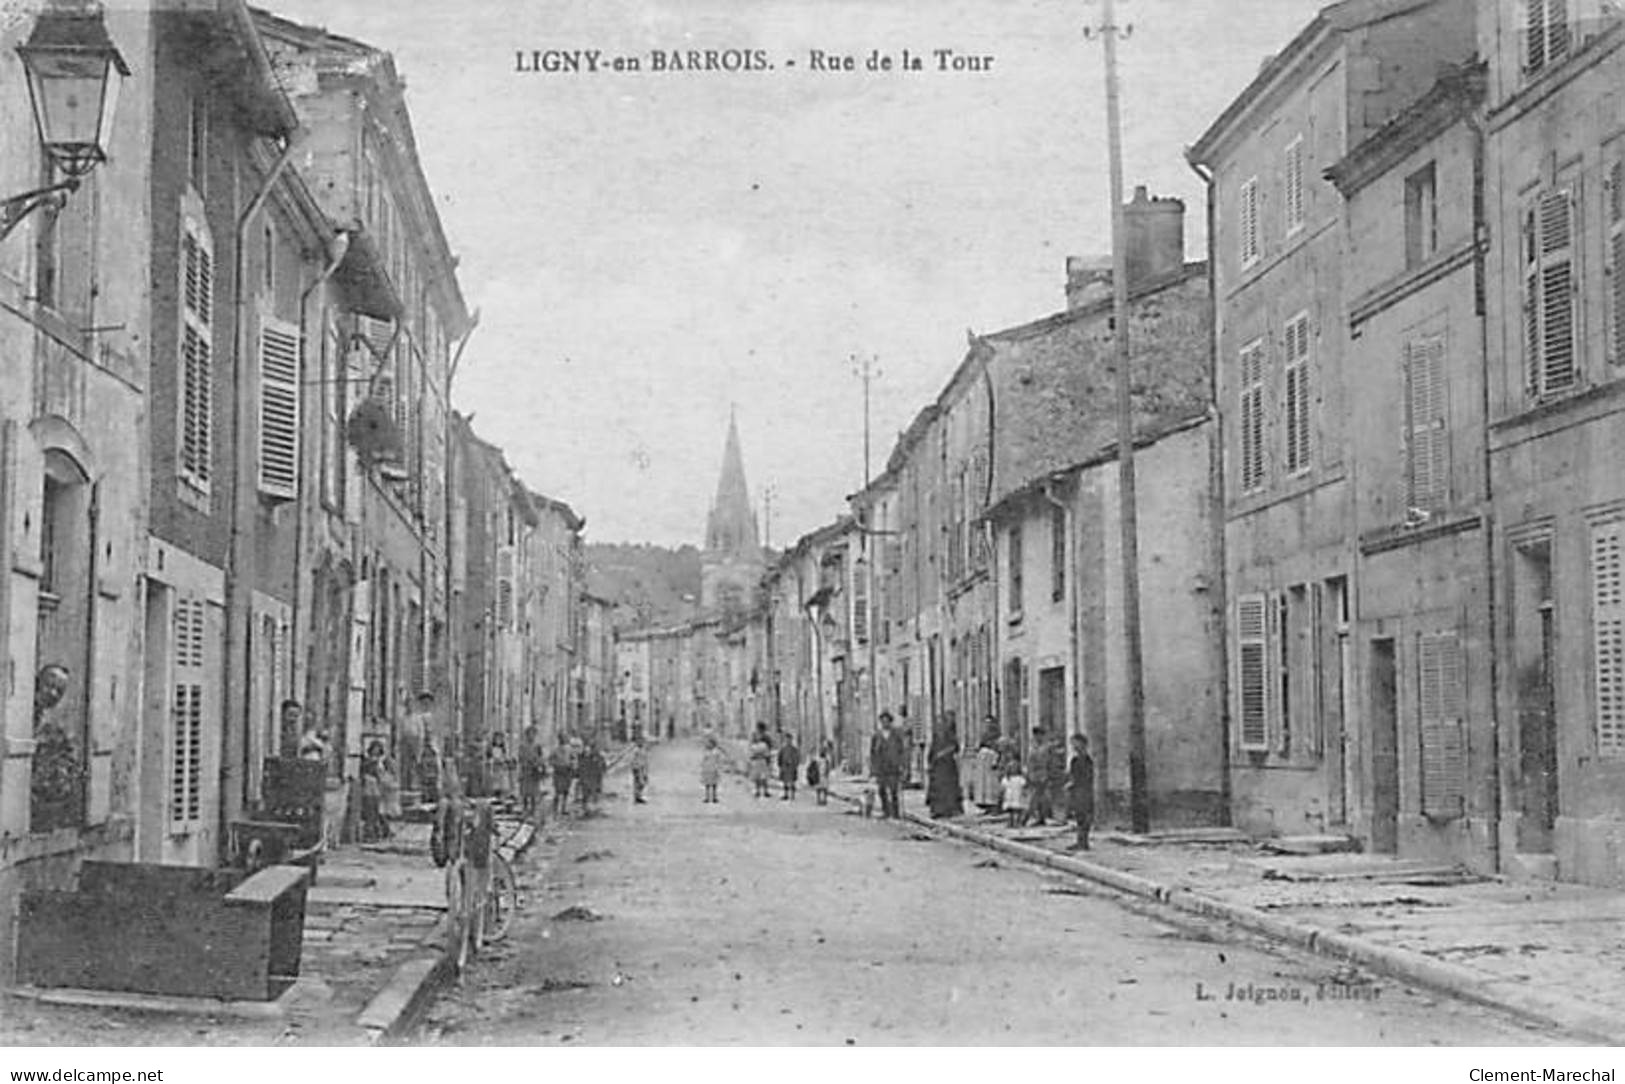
{"points": [[62, 641]]}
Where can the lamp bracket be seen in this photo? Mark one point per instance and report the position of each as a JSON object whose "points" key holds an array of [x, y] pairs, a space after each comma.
{"points": [[14, 209]]}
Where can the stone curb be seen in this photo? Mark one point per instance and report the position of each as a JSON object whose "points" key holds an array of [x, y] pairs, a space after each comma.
{"points": [[1552, 1010]]}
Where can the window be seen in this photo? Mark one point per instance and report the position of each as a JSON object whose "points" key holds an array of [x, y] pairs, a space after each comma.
{"points": [[1297, 394], [1614, 259], [196, 378], [1252, 416], [1292, 182], [1057, 553], [1439, 697], [1421, 216], [268, 268], [1427, 439], [1249, 222], [1252, 654], [860, 601], [1608, 634], [1549, 294], [186, 718], [197, 142], [279, 409], [335, 405], [1546, 34], [1015, 571], [505, 588]]}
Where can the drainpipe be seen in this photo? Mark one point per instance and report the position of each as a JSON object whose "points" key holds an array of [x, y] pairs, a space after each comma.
{"points": [[1218, 587], [234, 766], [1487, 493], [337, 246], [995, 646], [452, 644]]}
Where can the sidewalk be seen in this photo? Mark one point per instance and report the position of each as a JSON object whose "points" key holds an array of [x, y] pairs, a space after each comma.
{"points": [[1547, 952], [373, 956]]}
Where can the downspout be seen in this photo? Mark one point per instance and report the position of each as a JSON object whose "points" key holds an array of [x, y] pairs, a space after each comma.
{"points": [[995, 652], [337, 247], [453, 640], [236, 666], [1486, 496], [1218, 587]]}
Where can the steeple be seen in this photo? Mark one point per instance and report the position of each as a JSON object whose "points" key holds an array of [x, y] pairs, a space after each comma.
{"points": [[730, 530]]}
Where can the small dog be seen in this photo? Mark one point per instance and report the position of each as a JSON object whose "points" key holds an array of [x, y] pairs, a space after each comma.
{"points": [[869, 797]]}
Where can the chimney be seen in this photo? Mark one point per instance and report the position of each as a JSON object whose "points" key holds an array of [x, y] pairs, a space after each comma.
{"points": [[1154, 228], [1088, 279], [1156, 236]]}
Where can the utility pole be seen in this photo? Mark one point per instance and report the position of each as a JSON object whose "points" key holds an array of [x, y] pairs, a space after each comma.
{"points": [[1128, 511], [867, 369]]}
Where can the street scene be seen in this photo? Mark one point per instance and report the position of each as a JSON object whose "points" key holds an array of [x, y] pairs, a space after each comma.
{"points": [[686, 523]]}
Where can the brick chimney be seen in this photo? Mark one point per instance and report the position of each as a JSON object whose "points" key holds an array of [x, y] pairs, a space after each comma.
{"points": [[1155, 228], [1156, 236]]}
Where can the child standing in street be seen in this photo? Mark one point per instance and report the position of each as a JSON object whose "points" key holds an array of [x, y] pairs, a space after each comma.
{"points": [[818, 773], [1015, 794], [710, 769]]}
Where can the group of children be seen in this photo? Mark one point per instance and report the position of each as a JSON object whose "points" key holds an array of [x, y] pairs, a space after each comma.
{"points": [[818, 768], [1016, 795]]}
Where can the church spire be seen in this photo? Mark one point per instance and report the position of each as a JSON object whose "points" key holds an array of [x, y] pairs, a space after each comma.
{"points": [[731, 527]]}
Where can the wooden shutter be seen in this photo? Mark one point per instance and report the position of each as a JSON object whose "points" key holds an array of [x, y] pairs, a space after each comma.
{"points": [[505, 588], [1249, 221], [1608, 634], [186, 716], [1614, 260], [279, 409], [1550, 315], [1546, 33], [1440, 696], [860, 602], [1426, 434], [1297, 395], [1294, 184], [1252, 417], [1252, 655], [195, 416]]}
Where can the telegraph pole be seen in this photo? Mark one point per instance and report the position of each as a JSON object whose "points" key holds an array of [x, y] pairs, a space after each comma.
{"points": [[867, 369], [1128, 511]]}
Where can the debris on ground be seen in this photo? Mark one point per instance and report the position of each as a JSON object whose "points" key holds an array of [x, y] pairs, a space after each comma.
{"points": [[552, 985], [578, 913], [986, 863], [595, 856], [1064, 890], [922, 837]]}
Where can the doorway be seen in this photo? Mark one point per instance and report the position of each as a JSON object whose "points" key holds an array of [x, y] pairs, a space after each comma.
{"points": [[1535, 647], [1384, 748]]}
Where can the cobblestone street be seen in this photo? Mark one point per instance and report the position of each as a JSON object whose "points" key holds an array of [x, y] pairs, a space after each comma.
{"points": [[763, 921]]}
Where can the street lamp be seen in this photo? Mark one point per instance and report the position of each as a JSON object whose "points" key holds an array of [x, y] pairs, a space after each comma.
{"points": [[74, 74]]}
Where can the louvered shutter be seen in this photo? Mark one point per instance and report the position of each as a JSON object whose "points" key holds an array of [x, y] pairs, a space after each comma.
{"points": [[1608, 634], [186, 717], [195, 390], [1546, 33], [1427, 436], [1550, 315], [1614, 260], [1440, 696], [1252, 655], [860, 602], [279, 409], [1294, 184], [1249, 221], [1297, 395], [1252, 417], [505, 588]]}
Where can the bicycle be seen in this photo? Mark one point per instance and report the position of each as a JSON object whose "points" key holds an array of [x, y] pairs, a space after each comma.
{"points": [[502, 892]]}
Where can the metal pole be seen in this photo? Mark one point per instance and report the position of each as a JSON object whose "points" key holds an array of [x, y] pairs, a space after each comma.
{"points": [[1128, 512]]}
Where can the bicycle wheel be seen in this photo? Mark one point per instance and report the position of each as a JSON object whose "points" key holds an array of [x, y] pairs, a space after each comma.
{"points": [[501, 900], [458, 933]]}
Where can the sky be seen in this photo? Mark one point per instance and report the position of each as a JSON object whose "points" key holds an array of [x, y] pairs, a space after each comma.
{"points": [[648, 250]]}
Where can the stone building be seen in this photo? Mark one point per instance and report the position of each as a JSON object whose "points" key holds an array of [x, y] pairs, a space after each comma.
{"points": [[1413, 646], [1554, 203], [732, 561], [1278, 254]]}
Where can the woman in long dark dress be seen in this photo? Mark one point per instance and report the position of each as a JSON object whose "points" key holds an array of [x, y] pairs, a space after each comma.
{"points": [[942, 793]]}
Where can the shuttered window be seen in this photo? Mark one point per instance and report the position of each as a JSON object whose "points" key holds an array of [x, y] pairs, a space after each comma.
{"points": [[1549, 294], [1252, 665], [1546, 34], [1427, 444], [1293, 184], [186, 715], [505, 577], [860, 602], [1297, 394], [195, 379], [1608, 634], [1252, 417], [1248, 221], [1440, 703], [1614, 259], [279, 409]]}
